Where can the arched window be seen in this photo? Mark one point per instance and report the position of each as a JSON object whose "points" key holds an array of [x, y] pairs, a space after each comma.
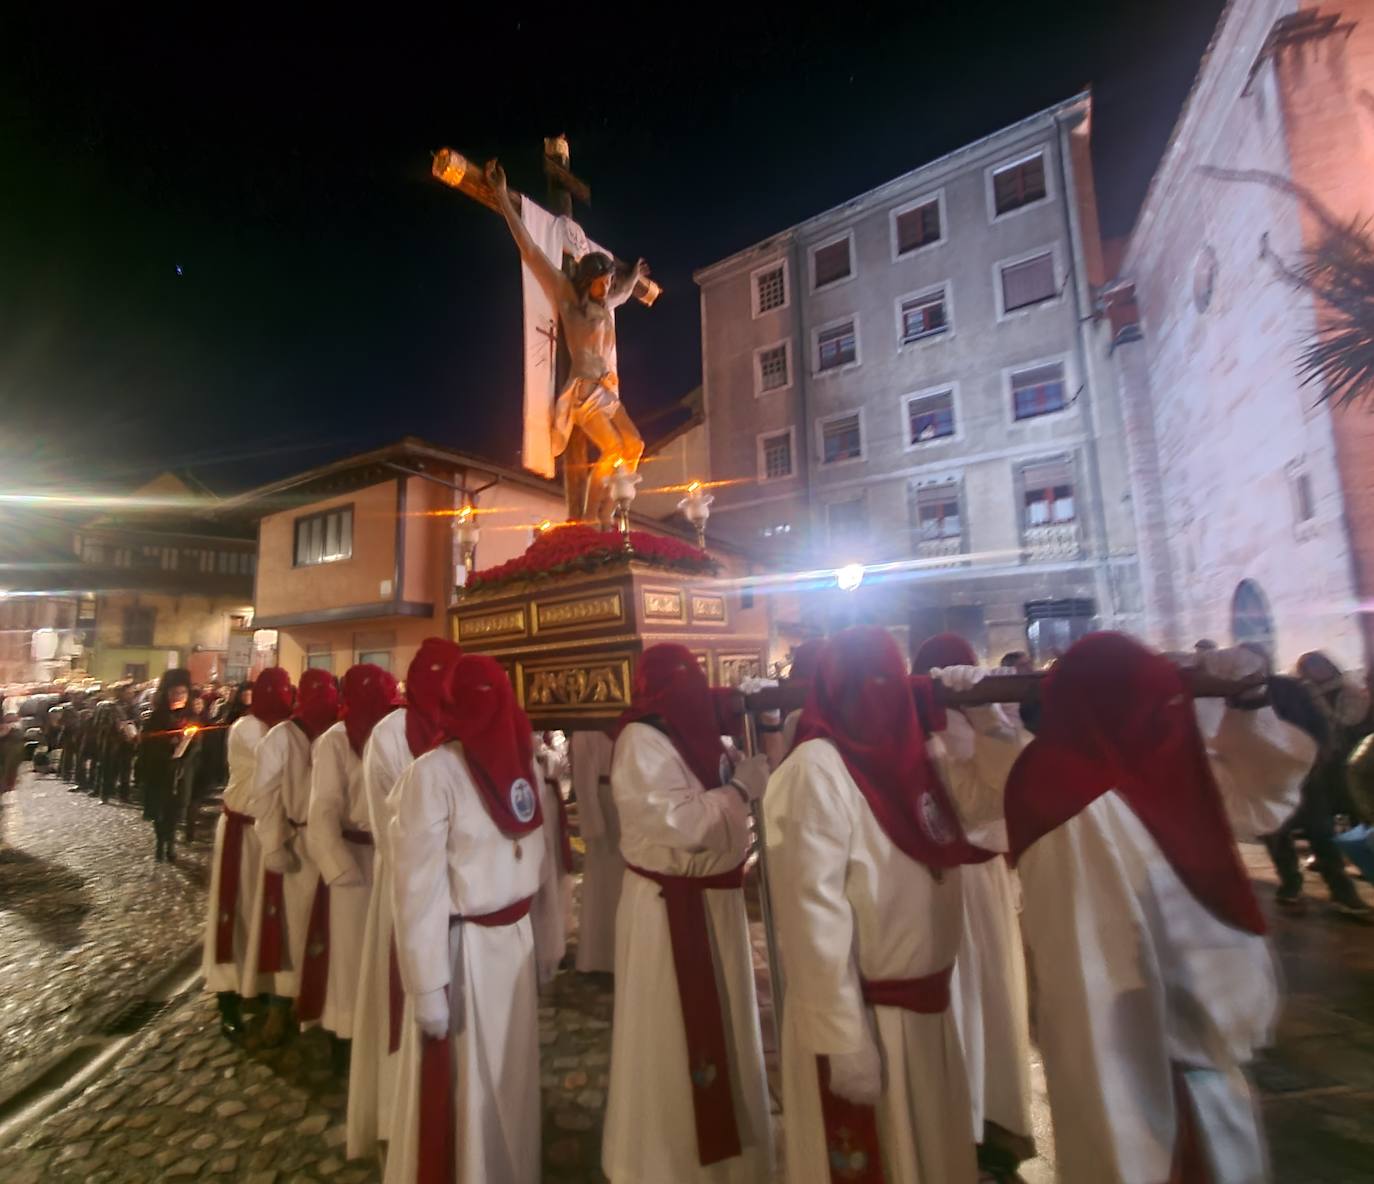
{"points": [[1251, 619]]}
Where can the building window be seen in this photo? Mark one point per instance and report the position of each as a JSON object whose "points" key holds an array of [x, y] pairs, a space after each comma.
{"points": [[319, 657], [830, 263], [773, 371], [1019, 184], [1038, 391], [1028, 283], [847, 521], [923, 316], [770, 289], [1047, 494], [841, 439], [1251, 620], [139, 625], [380, 658], [917, 227], [324, 538], [1304, 505], [937, 513], [837, 346], [930, 417], [775, 455]]}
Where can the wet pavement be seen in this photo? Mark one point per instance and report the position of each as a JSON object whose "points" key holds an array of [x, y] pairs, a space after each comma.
{"points": [[86, 916], [181, 1103]]}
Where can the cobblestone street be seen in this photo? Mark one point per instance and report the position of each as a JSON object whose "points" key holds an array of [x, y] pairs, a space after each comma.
{"points": [[179, 1103]]}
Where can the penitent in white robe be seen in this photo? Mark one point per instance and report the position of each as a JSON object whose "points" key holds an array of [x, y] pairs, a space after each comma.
{"points": [[849, 906], [372, 1070], [244, 736], [450, 860], [338, 803], [1135, 976], [280, 802], [669, 823], [603, 869], [988, 994]]}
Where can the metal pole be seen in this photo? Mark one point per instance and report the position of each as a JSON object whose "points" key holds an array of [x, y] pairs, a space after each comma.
{"points": [[765, 893]]}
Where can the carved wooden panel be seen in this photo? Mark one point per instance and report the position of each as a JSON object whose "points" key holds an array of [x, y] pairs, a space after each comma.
{"points": [[507, 623], [664, 604], [590, 684], [574, 612], [708, 610], [731, 668]]}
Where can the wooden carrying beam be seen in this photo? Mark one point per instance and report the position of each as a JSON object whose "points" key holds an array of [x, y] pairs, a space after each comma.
{"points": [[996, 688], [458, 172]]}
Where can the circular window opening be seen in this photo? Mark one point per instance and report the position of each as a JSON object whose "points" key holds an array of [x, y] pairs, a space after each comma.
{"points": [[1251, 620], [1204, 279]]}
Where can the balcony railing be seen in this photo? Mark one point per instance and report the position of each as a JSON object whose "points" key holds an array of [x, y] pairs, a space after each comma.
{"points": [[1051, 544], [950, 551]]}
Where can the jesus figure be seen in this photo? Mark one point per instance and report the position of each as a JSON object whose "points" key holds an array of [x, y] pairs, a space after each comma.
{"points": [[591, 398]]}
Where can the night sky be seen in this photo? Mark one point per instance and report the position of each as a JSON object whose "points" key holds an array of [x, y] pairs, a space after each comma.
{"points": [[227, 254]]}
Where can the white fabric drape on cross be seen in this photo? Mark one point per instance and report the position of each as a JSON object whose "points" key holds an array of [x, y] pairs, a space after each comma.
{"points": [[555, 236]]}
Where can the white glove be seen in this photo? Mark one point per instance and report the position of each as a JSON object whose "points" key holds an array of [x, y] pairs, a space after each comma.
{"points": [[959, 678], [431, 1012], [751, 776], [857, 1076], [350, 877], [1234, 664], [278, 861]]}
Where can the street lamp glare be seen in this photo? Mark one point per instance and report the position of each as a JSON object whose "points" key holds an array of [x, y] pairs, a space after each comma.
{"points": [[850, 576]]}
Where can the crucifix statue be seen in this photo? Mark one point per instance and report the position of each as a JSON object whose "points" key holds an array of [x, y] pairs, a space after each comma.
{"points": [[571, 291]]}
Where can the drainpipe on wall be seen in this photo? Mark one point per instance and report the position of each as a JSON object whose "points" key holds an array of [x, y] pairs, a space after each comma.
{"points": [[1106, 586]]}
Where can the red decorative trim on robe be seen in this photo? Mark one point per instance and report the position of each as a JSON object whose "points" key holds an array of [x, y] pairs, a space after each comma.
{"points": [[230, 866], [708, 1055], [271, 942], [396, 998], [851, 1131], [315, 964], [438, 1149]]}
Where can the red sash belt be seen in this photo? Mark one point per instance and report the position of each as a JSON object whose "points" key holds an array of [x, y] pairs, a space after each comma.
{"points": [[564, 827], [362, 837], [851, 1132], [396, 997], [315, 964], [230, 865], [708, 1057], [438, 1139], [271, 943]]}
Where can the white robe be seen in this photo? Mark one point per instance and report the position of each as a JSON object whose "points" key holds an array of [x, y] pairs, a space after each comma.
{"points": [[602, 867], [551, 765], [339, 803], [1135, 976], [989, 995], [670, 824], [448, 860], [849, 906], [372, 1070], [281, 799], [242, 742]]}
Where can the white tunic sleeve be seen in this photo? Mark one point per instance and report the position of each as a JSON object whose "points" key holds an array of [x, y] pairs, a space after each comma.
{"points": [[1259, 763], [329, 805], [974, 755], [661, 803], [268, 810], [809, 834], [386, 755], [420, 806], [546, 913]]}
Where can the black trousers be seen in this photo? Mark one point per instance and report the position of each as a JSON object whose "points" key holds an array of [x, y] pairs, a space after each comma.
{"points": [[114, 771], [1314, 819]]}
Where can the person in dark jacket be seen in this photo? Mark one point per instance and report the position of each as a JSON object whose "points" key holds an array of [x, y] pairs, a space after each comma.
{"points": [[159, 769]]}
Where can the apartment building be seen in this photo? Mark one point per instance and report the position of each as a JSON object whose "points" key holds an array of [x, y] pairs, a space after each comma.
{"points": [[920, 376]]}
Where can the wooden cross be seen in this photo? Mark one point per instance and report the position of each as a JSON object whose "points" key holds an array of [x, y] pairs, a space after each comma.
{"points": [[458, 172]]}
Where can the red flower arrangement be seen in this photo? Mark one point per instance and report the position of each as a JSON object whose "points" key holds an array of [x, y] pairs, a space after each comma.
{"points": [[576, 547]]}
